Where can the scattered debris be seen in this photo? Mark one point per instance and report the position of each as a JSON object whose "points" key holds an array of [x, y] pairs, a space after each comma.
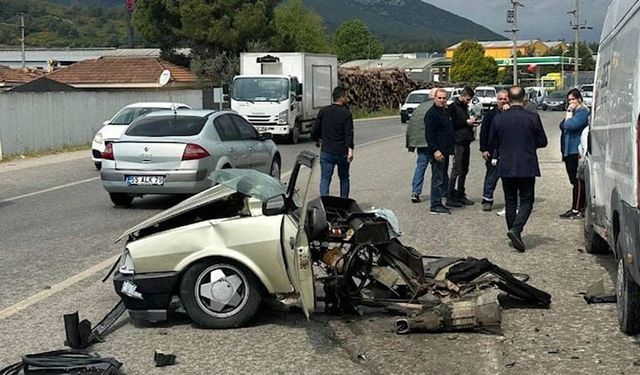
{"points": [[163, 359], [80, 335], [510, 364], [66, 361], [596, 293]]}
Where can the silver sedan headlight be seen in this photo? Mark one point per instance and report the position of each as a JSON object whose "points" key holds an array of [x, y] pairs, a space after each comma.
{"points": [[126, 264]]}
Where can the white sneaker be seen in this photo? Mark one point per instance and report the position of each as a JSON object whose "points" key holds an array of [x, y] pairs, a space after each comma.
{"points": [[502, 212]]}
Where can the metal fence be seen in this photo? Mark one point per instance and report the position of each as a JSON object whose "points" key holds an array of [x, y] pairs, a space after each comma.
{"points": [[38, 121]]}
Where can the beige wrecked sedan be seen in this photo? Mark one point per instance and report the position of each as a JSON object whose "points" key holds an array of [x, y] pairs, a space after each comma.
{"points": [[221, 250]]}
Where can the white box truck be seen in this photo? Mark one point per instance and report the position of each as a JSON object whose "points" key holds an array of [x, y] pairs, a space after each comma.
{"points": [[282, 92]]}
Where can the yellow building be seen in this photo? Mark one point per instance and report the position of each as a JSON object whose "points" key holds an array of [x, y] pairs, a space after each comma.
{"points": [[502, 49]]}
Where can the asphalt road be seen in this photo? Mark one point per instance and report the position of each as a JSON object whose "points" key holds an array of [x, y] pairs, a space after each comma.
{"points": [[47, 238]]}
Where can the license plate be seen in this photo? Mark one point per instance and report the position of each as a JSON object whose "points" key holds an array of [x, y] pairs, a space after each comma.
{"points": [[144, 180]]}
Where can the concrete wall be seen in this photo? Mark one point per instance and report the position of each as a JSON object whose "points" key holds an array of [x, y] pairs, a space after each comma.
{"points": [[37, 121]]}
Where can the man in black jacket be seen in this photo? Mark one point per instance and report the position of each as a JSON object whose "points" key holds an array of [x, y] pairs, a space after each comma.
{"points": [[517, 134], [440, 137], [490, 156], [463, 125], [334, 128]]}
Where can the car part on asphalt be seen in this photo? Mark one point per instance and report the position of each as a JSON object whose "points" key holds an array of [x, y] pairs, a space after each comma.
{"points": [[66, 361], [596, 293], [80, 335], [162, 359]]}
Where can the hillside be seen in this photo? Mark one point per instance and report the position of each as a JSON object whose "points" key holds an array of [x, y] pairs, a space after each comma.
{"points": [[403, 21]]}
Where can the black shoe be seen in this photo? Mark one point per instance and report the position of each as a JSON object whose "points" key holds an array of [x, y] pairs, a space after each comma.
{"points": [[577, 215], [452, 202], [569, 214], [465, 201], [439, 210], [516, 240], [415, 197], [486, 206]]}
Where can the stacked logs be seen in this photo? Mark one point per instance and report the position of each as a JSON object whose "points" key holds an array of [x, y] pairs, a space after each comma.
{"points": [[375, 89]]}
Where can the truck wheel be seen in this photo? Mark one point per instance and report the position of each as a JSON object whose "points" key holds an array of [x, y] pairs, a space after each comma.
{"points": [[220, 295], [593, 243], [294, 134], [121, 199], [628, 295]]}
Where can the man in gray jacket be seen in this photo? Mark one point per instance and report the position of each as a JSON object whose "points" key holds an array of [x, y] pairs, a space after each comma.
{"points": [[415, 141]]}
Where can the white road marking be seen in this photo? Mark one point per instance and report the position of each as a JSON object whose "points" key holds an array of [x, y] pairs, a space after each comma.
{"points": [[38, 297], [50, 189], [41, 296]]}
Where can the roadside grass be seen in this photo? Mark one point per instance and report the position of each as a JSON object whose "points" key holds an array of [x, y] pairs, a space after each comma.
{"points": [[359, 114], [52, 151]]}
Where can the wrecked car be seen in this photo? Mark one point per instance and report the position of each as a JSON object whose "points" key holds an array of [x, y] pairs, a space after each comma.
{"points": [[224, 250]]}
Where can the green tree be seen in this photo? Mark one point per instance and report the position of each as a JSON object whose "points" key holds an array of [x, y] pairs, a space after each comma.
{"points": [[215, 30], [469, 64], [299, 29], [585, 54], [353, 42]]}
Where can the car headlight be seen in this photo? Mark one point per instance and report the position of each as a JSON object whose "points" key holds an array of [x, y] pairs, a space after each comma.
{"points": [[126, 264], [98, 138], [283, 117]]}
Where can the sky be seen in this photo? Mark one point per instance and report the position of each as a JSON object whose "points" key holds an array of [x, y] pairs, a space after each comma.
{"points": [[538, 19]]}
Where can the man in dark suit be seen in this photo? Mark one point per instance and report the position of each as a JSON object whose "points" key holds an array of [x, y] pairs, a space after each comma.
{"points": [[517, 134]]}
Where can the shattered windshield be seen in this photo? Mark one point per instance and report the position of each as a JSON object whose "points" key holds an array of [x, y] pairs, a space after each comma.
{"points": [[261, 89], [249, 182]]}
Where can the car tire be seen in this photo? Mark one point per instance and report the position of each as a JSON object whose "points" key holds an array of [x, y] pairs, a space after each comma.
{"points": [[593, 243], [220, 294], [121, 199], [294, 135], [403, 119], [628, 296], [275, 170], [544, 107], [98, 165]]}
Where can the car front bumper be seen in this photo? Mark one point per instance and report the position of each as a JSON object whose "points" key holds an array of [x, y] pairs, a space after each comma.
{"points": [[273, 129], [175, 182], [554, 106], [155, 293]]}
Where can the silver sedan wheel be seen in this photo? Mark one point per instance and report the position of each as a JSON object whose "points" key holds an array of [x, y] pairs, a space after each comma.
{"points": [[275, 168], [221, 290]]}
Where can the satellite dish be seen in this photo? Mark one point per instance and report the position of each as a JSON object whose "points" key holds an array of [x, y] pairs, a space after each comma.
{"points": [[165, 77]]}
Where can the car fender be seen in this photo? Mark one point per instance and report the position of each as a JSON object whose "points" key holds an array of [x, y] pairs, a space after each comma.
{"points": [[223, 161], [273, 281]]}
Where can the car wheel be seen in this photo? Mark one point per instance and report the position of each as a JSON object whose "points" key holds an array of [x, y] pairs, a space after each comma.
{"points": [[274, 171], [294, 134], [98, 165], [544, 107], [121, 199], [220, 295], [628, 296], [403, 119], [593, 243]]}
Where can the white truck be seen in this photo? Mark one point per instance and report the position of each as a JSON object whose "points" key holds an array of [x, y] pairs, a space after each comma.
{"points": [[281, 93]]}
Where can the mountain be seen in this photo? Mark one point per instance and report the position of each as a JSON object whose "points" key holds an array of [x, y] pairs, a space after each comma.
{"points": [[403, 21]]}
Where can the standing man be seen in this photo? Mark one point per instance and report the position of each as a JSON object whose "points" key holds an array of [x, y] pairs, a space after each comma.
{"points": [[416, 141], [463, 125], [489, 155], [334, 128], [517, 134], [440, 141]]}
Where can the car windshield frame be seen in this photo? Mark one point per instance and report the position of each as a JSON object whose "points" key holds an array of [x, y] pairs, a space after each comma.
{"points": [[250, 182], [167, 126], [256, 89], [485, 93]]}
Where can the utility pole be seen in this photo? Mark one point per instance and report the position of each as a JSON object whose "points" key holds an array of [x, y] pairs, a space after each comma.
{"points": [[576, 26], [512, 18], [24, 63]]}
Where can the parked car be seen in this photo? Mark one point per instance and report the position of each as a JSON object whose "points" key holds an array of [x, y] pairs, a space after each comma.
{"points": [[173, 152], [112, 129], [556, 101], [475, 107], [488, 96], [536, 94], [587, 95], [414, 99], [612, 168]]}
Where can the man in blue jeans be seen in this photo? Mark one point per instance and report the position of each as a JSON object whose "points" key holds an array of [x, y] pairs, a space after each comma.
{"points": [[490, 156], [440, 141], [334, 129]]}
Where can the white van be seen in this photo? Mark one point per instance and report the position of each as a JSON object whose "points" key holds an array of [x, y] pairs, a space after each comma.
{"points": [[612, 176], [414, 99], [488, 96]]}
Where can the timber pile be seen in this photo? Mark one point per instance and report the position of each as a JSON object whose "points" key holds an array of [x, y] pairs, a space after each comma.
{"points": [[375, 89]]}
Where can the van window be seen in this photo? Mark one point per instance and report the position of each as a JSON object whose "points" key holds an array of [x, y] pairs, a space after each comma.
{"points": [[165, 126], [486, 93]]}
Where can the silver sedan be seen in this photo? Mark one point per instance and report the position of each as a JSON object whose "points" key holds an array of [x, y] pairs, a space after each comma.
{"points": [[174, 152]]}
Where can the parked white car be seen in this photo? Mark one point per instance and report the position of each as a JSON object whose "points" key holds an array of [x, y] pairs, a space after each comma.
{"points": [[414, 99], [487, 95], [112, 129], [587, 95]]}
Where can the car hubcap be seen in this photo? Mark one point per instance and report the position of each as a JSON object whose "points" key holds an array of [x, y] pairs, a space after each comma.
{"points": [[221, 290], [275, 169]]}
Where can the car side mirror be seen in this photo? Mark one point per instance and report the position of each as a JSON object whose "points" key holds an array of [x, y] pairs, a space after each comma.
{"points": [[265, 136], [299, 91], [106, 122], [274, 206]]}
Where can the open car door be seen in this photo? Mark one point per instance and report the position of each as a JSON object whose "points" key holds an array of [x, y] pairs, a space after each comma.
{"points": [[294, 238]]}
